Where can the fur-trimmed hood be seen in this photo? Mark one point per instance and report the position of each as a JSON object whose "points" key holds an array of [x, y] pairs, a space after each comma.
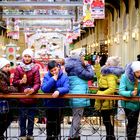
{"points": [[116, 70], [129, 72]]}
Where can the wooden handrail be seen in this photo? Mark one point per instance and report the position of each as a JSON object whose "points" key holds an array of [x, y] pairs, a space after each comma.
{"points": [[67, 96]]}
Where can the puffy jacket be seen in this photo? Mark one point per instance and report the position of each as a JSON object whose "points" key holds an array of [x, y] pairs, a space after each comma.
{"points": [[33, 81], [126, 87], [78, 76], [49, 85], [5, 83], [5, 88], [107, 79]]}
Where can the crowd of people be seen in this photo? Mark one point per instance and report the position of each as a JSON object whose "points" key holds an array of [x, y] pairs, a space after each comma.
{"points": [[69, 77]]}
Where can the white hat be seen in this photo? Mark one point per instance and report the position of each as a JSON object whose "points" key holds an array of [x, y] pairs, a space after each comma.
{"points": [[3, 62], [28, 52], [135, 66], [77, 54], [113, 61]]}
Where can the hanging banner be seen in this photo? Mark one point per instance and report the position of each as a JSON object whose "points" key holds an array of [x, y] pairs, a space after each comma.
{"points": [[69, 38], [98, 9], [12, 28], [76, 29], [88, 20]]}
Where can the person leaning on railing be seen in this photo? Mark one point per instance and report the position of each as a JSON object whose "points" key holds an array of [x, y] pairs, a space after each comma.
{"points": [[79, 72], [57, 83], [130, 87], [27, 79], [107, 78], [6, 113]]}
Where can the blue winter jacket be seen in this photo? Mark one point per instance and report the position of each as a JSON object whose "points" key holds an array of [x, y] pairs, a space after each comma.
{"points": [[126, 87], [78, 77], [49, 85]]}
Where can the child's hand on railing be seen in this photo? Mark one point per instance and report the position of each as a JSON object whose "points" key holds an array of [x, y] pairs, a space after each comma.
{"points": [[29, 91], [134, 93], [55, 94]]}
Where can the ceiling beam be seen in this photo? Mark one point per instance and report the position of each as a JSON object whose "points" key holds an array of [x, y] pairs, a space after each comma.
{"points": [[39, 16], [23, 3]]}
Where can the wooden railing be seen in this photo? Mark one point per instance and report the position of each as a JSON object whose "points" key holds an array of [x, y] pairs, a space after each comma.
{"points": [[77, 95]]}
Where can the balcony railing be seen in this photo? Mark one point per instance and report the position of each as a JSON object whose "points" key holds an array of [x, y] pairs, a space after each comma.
{"points": [[91, 123]]}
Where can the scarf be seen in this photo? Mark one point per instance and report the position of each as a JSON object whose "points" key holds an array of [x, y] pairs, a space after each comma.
{"points": [[27, 67]]}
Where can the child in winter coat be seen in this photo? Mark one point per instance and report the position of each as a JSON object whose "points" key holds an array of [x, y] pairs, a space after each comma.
{"points": [[57, 83], [79, 72], [6, 112], [130, 87], [107, 78], [27, 79]]}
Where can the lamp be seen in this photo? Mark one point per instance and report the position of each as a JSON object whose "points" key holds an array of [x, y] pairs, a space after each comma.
{"points": [[3, 48], [96, 44], [115, 40], [135, 35], [105, 41], [108, 41], [125, 38], [18, 48]]}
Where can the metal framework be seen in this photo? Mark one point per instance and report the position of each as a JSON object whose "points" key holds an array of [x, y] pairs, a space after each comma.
{"points": [[91, 124], [38, 16], [25, 3]]}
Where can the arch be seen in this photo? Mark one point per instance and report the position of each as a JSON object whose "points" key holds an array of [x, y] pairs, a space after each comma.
{"points": [[126, 2], [113, 4], [137, 2]]}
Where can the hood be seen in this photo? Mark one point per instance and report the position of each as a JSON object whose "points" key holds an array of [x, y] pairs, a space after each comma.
{"points": [[116, 70], [129, 72], [70, 63]]}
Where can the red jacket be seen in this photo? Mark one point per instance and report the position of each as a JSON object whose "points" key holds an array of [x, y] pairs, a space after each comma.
{"points": [[33, 81]]}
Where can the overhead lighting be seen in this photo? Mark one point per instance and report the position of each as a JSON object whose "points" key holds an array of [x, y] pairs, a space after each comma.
{"points": [[135, 35], [125, 38]]}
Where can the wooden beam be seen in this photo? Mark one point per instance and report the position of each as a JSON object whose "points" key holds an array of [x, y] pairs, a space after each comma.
{"points": [[68, 96]]}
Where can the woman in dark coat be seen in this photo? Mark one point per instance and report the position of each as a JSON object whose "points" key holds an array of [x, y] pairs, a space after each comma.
{"points": [[6, 113]]}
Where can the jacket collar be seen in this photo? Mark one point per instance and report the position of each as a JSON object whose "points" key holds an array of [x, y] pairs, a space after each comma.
{"points": [[116, 70], [129, 72]]}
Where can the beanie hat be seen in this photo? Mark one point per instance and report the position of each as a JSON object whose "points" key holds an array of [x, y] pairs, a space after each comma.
{"points": [[3, 62], [113, 61], [28, 52], [77, 54], [135, 66]]}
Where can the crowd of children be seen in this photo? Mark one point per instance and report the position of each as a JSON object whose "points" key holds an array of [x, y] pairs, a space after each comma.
{"points": [[71, 76]]}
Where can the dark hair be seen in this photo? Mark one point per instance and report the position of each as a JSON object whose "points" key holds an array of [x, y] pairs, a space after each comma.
{"points": [[138, 57], [52, 64]]}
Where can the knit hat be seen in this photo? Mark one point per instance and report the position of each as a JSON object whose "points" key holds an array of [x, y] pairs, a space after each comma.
{"points": [[77, 54], [28, 52], [113, 61], [135, 66], [3, 62]]}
